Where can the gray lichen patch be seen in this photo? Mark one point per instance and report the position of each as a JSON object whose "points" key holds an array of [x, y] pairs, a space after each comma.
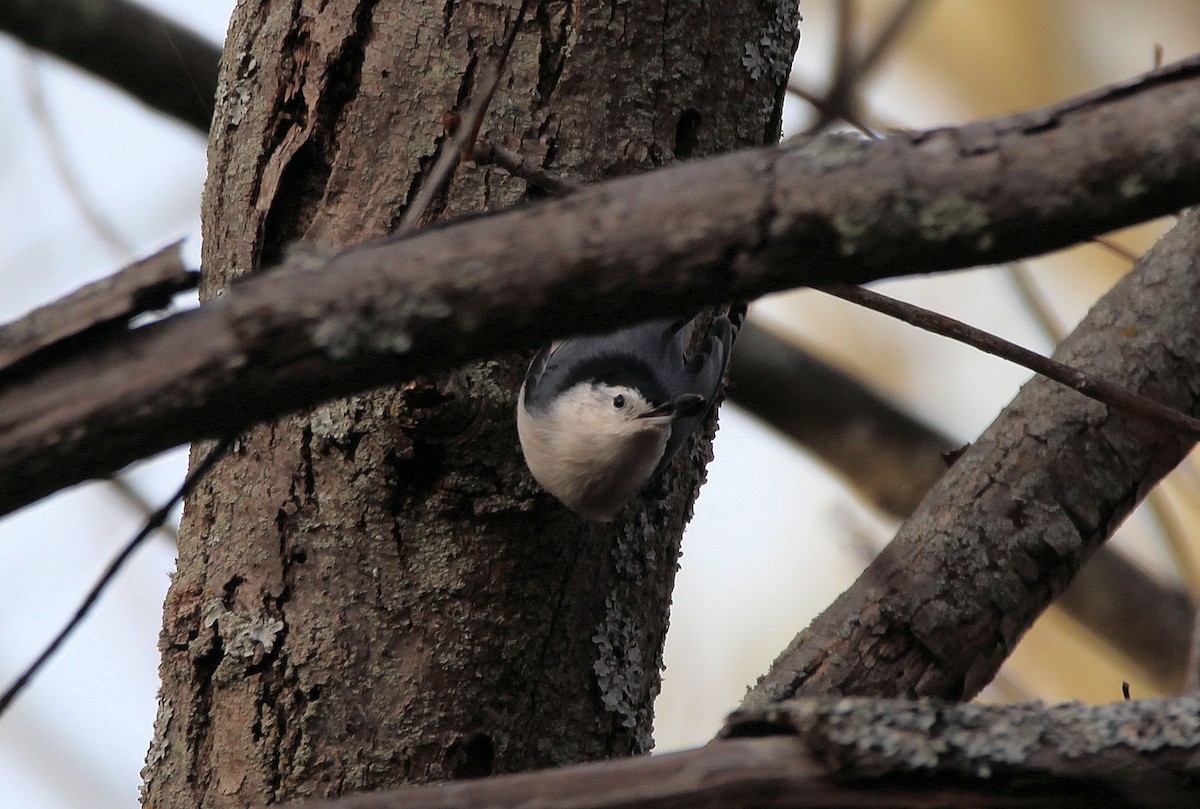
{"points": [[951, 215], [620, 671], [1132, 186], [245, 640], [162, 721], [871, 738], [772, 53]]}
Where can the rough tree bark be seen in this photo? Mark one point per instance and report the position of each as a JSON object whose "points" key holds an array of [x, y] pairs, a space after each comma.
{"points": [[375, 592]]}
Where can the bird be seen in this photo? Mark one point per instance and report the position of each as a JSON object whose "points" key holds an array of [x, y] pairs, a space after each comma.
{"points": [[600, 416]]}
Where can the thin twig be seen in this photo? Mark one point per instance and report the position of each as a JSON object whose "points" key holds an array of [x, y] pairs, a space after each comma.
{"points": [[850, 69], [830, 112], [460, 144], [1035, 302], [490, 153], [1116, 249], [157, 518], [902, 14], [841, 91], [1088, 385], [129, 493]]}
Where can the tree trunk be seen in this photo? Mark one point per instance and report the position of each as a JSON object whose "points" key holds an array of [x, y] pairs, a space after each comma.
{"points": [[375, 592]]}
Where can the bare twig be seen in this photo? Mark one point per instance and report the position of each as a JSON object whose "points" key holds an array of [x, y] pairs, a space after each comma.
{"points": [[827, 111], [132, 496], [1116, 249], [154, 521], [490, 153], [1035, 303], [1081, 381], [902, 14], [850, 69]]}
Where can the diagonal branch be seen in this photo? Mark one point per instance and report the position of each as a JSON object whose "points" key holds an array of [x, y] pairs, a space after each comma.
{"points": [[141, 287], [730, 228], [893, 460], [1006, 528]]}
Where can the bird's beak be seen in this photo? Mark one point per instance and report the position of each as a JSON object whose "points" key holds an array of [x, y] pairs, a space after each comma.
{"points": [[690, 404]]}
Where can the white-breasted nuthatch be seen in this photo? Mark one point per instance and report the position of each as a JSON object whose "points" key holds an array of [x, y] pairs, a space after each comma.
{"points": [[600, 416]]}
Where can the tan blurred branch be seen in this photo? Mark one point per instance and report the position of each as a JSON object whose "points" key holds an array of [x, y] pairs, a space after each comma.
{"points": [[889, 457]]}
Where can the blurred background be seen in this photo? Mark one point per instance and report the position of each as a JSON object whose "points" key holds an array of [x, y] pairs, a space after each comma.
{"points": [[90, 179]]}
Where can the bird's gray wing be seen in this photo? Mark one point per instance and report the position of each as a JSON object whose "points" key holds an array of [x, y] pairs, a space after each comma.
{"points": [[702, 375]]}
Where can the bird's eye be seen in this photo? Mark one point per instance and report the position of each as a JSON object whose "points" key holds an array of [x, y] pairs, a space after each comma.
{"points": [[618, 401]]}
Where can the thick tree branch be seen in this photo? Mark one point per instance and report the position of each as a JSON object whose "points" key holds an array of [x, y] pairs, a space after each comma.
{"points": [[876, 753], [141, 287], [161, 63], [735, 227], [1004, 531], [892, 460]]}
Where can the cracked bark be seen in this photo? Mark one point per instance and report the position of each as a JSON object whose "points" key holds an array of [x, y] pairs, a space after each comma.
{"points": [[1004, 530], [374, 592]]}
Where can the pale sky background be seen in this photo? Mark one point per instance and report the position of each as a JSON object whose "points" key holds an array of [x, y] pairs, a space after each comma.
{"points": [[775, 537]]}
